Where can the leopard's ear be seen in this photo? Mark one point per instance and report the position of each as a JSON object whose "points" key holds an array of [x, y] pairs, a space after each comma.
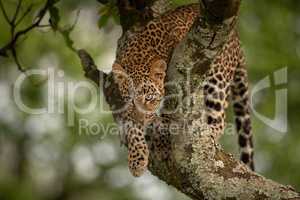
{"points": [[158, 70], [119, 73], [117, 67], [159, 65]]}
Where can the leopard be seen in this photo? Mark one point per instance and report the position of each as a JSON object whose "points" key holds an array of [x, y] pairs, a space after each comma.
{"points": [[140, 72]]}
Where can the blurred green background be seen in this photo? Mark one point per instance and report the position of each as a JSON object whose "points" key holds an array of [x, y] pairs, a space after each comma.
{"points": [[50, 156]]}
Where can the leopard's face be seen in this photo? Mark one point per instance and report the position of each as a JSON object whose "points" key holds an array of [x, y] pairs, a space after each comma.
{"points": [[147, 96]]}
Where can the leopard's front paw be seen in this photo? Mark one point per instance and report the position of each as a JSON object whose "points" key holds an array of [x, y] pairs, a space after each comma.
{"points": [[138, 157]]}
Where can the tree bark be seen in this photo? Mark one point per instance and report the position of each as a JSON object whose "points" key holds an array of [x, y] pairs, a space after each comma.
{"points": [[196, 164]]}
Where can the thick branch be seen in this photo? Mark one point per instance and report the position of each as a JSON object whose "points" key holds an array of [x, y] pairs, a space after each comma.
{"points": [[89, 67], [197, 165]]}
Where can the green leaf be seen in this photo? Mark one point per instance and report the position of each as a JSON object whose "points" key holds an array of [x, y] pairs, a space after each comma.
{"points": [[107, 11], [115, 15], [103, 21], [64, 31], [54, 17]]}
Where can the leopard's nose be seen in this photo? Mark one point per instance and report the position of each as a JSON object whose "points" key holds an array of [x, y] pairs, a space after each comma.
{"points": [[140, 115], [143, 106]]}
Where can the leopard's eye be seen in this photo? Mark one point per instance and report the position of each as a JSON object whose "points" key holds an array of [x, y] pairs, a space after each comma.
{"points": [[150, 97], [159, 76]]}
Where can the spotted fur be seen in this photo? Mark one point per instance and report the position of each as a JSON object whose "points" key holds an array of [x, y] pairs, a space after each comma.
{"points": [[140, 69]]}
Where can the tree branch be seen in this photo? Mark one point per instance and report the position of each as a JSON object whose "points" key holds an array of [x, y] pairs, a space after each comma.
{"points": [[16, 12], [89, 67], [4, 12], [196, 164], [11, 45], [27, 11]]}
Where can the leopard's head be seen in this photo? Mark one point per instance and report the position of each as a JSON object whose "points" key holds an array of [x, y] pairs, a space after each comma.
{"points": [[147, 89], [147, 97]]}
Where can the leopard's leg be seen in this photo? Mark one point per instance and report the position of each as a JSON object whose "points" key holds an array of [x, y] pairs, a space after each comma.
{"points": [[218, 80], [138, 152], [158, 137], [215, 103], [241, 107]]}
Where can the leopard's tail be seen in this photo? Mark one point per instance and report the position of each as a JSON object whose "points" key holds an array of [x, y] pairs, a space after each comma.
{"points": [[241, 107]]}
